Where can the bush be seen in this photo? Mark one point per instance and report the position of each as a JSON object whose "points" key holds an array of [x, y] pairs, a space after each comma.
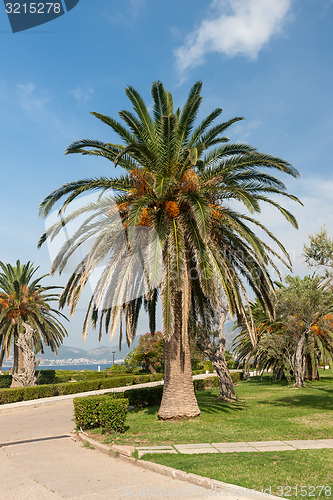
{"points": [[209, 383], [45, 377], [5, 381], [208, 366], [147, 396], [101, 411], [42, 391], [11, 395]]}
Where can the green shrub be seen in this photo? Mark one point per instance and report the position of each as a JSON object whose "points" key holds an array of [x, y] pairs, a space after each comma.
{"points": [[198, 372], [42, 391], [101, 411], [209, 383], [11, 395], [45, 377], [208, 366], [236, 377], [147, 396], [5, 381]]}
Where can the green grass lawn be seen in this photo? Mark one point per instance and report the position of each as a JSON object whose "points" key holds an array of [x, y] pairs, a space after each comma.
{"points": [[283, 472], [265, 411]]}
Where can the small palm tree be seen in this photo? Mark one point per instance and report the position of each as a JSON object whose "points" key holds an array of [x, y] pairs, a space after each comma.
{"points": [[179, 181], [301, 332], [24, 301]]}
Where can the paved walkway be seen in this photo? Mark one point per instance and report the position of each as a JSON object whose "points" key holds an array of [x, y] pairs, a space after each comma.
{"points": [[40, 460], [254, 446]]}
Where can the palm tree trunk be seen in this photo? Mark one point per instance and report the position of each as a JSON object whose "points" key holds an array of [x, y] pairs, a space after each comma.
{"points": [[178, 400], [24, 359], [311, 369], [18, 366], [216, 355], [150, 366], [298, 362], [217, 358]]}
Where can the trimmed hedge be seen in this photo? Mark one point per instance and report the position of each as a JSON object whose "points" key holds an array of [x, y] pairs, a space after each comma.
{"points": [[146, 396], [152, 396], [45, 377], [101, 411], [44, 391], [209, 383], [5, 381]]}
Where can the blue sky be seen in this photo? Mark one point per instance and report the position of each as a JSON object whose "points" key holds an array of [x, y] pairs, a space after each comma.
{"points": [[269, 61]]}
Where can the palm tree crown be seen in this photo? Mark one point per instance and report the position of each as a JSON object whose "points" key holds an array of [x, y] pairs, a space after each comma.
{"points": [[179, 182]]}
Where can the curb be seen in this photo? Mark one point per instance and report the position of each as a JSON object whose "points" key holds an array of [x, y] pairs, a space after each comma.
{"points": [[219, 487]]}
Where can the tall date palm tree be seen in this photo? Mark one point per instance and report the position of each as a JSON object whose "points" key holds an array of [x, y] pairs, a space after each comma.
{"points": [[25, 301], [179, 181]]}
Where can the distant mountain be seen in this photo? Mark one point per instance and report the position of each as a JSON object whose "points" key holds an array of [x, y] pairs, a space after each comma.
{"points": [[98, 354], [104, 354]]}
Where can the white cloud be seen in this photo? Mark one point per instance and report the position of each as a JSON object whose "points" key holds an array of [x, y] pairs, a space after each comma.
{"points": [[237, 27], [82, 95], [37, 104], [31, 99], [124, 13]]}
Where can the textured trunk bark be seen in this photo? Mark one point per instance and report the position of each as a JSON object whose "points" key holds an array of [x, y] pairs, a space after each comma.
{"points": [[298, 362], [178, 400], [24, 359], [18, 367], [217, 358], [311, 370], [216, 355], [150, 366]]}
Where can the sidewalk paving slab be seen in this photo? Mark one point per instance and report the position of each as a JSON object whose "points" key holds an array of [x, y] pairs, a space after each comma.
{"points": [[285, 447], [233, 447], [166, 447], [193, 445], [145, 452], [195, 451], [189, 449], [266, 443], [327, 441], [309, 446]]}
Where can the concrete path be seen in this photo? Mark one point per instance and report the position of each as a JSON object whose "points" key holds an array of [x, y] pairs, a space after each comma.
{"points": [[39, 460], [240, 447]]}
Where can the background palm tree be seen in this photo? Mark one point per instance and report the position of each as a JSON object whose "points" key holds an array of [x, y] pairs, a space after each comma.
{"points": [[179, 182], [24, 301], [300, 334]]}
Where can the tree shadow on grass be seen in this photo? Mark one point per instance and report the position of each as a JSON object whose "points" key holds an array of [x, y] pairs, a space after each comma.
{"points": [[209, 403], [145, 410], [266, 380], [317, 401]]}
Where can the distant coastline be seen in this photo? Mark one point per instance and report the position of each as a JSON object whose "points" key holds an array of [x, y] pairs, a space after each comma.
{"points": [[77, 367]]}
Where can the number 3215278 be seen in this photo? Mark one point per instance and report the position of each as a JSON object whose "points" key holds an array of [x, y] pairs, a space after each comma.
{"points": [[33, 8]]}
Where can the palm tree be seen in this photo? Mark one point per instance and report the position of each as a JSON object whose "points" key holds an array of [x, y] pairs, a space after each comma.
{"points": [[25, 304], [301, 332], [178, 182]]}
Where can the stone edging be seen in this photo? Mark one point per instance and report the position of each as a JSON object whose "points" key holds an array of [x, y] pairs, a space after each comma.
{"points": [[126, 453]]}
